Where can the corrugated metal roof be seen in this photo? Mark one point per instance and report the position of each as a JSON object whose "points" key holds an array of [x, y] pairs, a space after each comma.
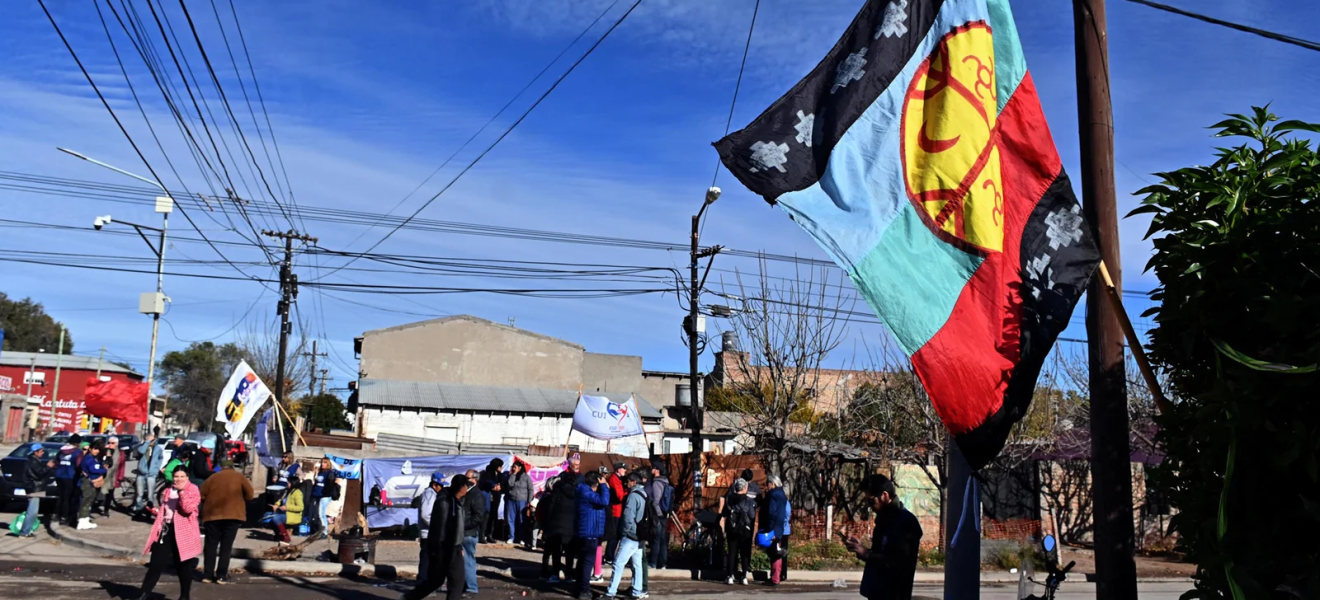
{"points": [[483, 398], [46, 360]]}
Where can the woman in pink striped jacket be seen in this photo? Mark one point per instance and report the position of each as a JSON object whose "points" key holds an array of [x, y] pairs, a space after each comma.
{"points": [[175, 539]]}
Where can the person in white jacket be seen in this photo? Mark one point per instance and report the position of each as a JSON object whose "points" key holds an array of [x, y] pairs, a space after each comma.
{"points": [[438, 483]]}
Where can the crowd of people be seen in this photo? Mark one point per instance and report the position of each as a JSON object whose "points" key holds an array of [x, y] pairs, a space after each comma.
{"points": [[583, 520]]}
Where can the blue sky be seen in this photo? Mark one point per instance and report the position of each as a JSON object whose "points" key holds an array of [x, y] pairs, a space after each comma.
{"points": [[366, 102]]}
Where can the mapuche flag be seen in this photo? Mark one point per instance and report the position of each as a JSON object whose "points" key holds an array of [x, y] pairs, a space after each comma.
{"points": [[916, 154]]}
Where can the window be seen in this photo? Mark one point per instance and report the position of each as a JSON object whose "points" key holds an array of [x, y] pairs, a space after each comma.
{"points": [[517, 441], [668, 447], [444, 434]]}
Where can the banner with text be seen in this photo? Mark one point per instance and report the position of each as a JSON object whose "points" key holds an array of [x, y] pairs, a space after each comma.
{"points": [[402, 479], [602, 419]]}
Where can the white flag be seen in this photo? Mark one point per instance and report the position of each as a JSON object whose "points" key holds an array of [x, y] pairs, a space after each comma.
{"points": [[239, 401], [605, 420]]}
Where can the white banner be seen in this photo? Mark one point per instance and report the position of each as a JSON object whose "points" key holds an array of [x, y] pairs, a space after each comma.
{"points": [[605, 420], [239, 401]]}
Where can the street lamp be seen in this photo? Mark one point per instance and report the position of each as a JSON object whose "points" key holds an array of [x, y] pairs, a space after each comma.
{"points": [[149, 303], [695, 326]]}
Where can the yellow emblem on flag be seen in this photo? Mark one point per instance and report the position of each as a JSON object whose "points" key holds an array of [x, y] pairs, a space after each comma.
{"points": [[951, 141]]}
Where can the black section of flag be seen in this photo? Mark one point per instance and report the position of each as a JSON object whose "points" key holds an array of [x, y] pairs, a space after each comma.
{"points": [[788, 146], [1058, 257]]}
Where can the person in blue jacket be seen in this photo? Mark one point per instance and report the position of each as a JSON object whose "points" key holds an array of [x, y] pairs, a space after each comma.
{"points": [[774, 512], [68, 461], [93, 479], [593, 500]]}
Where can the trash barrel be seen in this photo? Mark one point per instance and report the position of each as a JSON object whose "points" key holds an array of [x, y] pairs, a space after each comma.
{"points": [[353, 548]]}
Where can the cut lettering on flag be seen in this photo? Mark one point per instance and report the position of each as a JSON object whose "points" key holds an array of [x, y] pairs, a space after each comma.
{"points": [[240, 400], [917, 155], [116, 399], [602, 419]]}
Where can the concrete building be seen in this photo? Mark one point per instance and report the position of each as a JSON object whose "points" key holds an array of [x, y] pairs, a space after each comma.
{"points": [[491, 383]]}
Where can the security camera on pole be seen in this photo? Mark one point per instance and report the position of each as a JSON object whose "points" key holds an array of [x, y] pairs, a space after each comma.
{"points": [[149, 303]]}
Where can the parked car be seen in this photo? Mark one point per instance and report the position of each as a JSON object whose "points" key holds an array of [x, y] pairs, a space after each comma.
{"points": [[12, 466], [237, 451]]}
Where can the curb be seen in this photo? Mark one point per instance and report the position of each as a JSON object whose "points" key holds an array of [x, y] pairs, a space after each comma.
{"points": [[61, 533]]}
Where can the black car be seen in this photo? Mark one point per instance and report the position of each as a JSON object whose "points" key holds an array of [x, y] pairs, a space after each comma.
{"points": [[12, 466]]}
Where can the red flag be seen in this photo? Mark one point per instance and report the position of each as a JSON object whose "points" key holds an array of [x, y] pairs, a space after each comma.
{"points": [[117, 399]]}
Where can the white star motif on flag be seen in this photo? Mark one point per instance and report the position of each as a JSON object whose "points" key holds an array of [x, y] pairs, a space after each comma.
{"points": [[895, 21], [769, 155], [803, 127], [1064, 227], [1040, 275], [849, 70]]}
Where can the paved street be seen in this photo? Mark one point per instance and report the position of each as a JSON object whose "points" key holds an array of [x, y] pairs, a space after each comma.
{"points": [[113, 579]]}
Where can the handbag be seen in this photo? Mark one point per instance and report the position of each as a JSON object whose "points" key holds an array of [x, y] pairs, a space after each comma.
{"points": [[765, 539]]}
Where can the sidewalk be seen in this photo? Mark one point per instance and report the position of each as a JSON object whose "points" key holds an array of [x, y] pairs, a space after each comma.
{"points": [[120, 537]]}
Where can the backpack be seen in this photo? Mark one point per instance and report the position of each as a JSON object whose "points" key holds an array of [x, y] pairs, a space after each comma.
{"points": [[646, 528], [667, 501], [741, 517]]}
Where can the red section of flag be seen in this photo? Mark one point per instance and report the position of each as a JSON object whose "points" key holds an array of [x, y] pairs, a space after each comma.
{"points": [[967, 365], [119, 400]]}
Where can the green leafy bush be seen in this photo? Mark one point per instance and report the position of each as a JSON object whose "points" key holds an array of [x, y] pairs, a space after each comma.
{"points": [[1237, 253]]}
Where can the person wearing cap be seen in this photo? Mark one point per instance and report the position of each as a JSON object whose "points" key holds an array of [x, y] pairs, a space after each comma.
{"points": [[93, 483], [113, 460], [36, 473], [224, 509], [891, 561], [428, 497], [445, 550]]}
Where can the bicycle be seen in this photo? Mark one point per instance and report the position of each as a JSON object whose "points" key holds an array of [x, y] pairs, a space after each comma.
{"points": [[1054, 577], [703, 542]]}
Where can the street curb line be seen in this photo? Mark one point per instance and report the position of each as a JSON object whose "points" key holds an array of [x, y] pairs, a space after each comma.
{"points": [[58, 532]]}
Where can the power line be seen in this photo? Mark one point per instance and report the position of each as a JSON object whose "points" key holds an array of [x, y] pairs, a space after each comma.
{"points": [[737, 85], [506, 131], [1278, 37], [495, 116]]}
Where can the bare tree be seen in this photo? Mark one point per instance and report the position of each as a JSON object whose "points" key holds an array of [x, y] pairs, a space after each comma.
{"points": [[261, 348], [786, 329]]}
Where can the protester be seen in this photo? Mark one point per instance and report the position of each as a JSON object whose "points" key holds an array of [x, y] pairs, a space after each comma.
{"points": [[559, 506], [891, 561], [287, 468], [151, 459], [93, 482], [324, 479], [593, 503], [475, 507], [199, 467], [36, 474], [114, 461], [617, 490], [629, 552], [287, 512], [788, 531], [575, 467], [446, 526], [739, 518], [660, 493], [753, 490], [774, 508], [517, 504], [181, 457], [175, 540], [424, 508], [490, 484], [225, 496], [68, 465]]}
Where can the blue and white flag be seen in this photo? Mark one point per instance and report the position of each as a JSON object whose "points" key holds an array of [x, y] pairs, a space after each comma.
{"points": [[346, 468], [602, 419]]}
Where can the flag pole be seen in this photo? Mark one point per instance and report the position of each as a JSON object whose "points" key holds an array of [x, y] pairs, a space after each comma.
{"points": [[1111, 470], [1134, 342], [291, 421], [571, 423], [284, 444]]}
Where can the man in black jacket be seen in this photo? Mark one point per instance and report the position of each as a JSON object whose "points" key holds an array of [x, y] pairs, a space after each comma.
{"points": [[891, 561], [475, 511], [448, 523], [36, 475]]}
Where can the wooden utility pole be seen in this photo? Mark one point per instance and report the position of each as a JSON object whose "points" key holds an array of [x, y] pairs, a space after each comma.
{"points": [[288, 295], [311, 386], [1111, 475]]}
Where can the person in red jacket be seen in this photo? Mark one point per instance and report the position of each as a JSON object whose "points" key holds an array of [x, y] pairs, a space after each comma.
{"points": [[617, 493]]}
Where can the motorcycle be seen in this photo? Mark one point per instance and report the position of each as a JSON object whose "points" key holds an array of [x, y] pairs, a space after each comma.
{"points": [[1053, 578]]}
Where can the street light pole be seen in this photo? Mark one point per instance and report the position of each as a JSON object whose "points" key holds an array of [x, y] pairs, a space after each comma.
{"points": [[164, 205], [694, 334]]}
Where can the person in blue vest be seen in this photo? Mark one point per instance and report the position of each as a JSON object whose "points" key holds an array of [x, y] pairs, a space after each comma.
{"points": [[68, 461], [93, 480]]}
